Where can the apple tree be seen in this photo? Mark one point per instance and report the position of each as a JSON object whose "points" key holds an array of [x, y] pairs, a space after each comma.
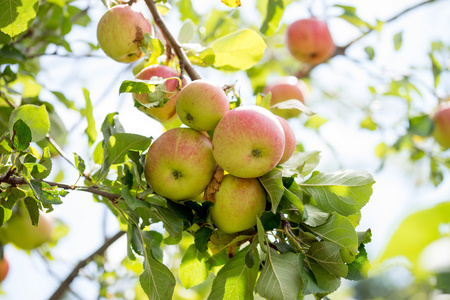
{"points": [[248, 205]]}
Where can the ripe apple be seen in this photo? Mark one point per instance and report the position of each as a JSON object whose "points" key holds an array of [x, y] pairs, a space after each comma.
{"points": [[286, 88], [248, 142], [201, 104], [120, 32], [180, 164], [4, 268], [310, 41], [441, 120], [19, 230], [290, 141], [167, 113], [237, 203]]}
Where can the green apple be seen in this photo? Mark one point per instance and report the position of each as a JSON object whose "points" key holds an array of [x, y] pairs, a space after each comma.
{"points": [[441, 120], [286, 88], [120, 32], [167, 113], [237, 204], [309, 41], [290, 141], [248, 142], [20, 232], [4, 268], [201, 104], [179, 164]]}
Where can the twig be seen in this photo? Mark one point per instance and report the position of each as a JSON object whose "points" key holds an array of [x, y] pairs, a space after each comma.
{"points": [[100, 251], [184, 61]]}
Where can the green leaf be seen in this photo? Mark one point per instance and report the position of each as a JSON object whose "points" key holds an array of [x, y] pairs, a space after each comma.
{"points": [[280, 277], [90, 130], [46, 162], [36, 118], [79, 163], [339, 230], [187, 31], [359, 268], [5, 214], [293, 104], [232, 3], [235, 280], [187, 11], [138, 86], [398, 39], [274, 12], [316, 217], [239, 50], [120, 143], [421, 125], [194, 268], [316, 280], [350, 16], [368, 123], [416, 232], [172, 223], [17, 16], [344, 192], [33, 210], [131, 201], [327, 255], [315, 122], [45, 193], [21, 136], [202, 238], [370, 52], [273, 184], [302, 163]]}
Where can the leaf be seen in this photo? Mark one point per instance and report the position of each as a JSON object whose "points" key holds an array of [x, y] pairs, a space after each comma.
{"points": [[139, 86], [120, 143], [327, 255], [33, 210], [273, 184], [187, 31], [338, 230], [36, 118], [172, 224], [398, 39], [344, 192], [235, 280], [421, 125], [194, 267], [280, 277], [21, 136], [359, 268], [17, 16], [45, 193], [239, 50], [232, 3], [370, 52], [202, 237], [293, 104], [315, 122], [5, 214], [274, 12], [316, 217], [90, 130], [46, 162], [303, 162], [350, 16], [316, 280], [157, 281], [131, 201], [416, 232], [79, 163]]}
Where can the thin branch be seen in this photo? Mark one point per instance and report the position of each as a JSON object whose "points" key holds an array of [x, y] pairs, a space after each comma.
{"points": [[100, 251], [184, 61]]}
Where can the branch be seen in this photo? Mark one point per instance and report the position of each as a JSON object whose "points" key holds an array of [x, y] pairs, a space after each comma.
{"points": [[89, 189], [100, 251], [184, 61]]}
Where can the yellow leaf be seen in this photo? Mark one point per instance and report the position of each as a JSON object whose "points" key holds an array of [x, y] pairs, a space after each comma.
{"points": [[232, 3]]}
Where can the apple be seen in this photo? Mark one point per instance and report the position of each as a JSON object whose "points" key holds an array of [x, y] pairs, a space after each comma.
{"points": [[248, 142], [290, 141], [310, 41], [20, 232], [286, 88], [120, 32], [237, 203], [167, 113], [180, 164], [4, 268], [441, 120], [201, 104]]}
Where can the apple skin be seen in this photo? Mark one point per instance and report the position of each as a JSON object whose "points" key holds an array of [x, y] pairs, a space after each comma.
{"points": [[310, 41], [167, 113], [237, 204], [20, 232], [4, 268], [120, 31], [290, 141], [248, 142], [201, 105], [441, 120], [286, 88], [180, 164]]}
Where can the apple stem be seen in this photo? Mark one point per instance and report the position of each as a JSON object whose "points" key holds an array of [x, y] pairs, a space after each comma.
{"points": [[256, 153]]}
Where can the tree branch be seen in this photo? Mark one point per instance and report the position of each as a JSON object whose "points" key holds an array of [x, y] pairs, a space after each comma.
{"points": [[184, 61], [100, 251]]}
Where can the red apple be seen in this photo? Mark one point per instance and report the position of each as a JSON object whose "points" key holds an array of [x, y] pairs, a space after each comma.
{"points": [[441, 120], [237, 204], [167, 113], [4, 268], [201, 104], [180, 164], [310, 41], [286, 88], [290, 141], [248, 142], [120, 32]]}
